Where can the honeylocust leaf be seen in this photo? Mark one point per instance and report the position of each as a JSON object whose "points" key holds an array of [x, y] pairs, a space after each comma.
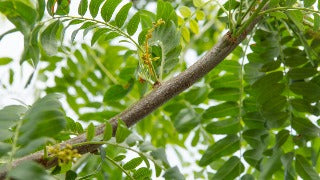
{"points": [[108, 8], [123, 14], [83, 6], [230, 169], [48, 38], [94, 7], [90, 132], [223, 147], [133, 24]]}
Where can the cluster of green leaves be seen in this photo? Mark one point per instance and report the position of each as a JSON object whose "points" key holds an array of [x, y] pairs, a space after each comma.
{"points": [[264, 106], [27, 129], [252, 108], [115, 155], [192, 18]]}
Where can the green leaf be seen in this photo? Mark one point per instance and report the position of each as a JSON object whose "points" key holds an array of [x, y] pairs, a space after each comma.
{"points": [[123, 14], [173, 173], [71, 175], [255, 137], [279, 15], [99, 33], [197, 3], [281, 138], [316, 23], [304, 169], [194, 26], [301, 105], [83, 6], [223, 147], [286, 160], [166, 12], [28, 170], [253, 157], [297, 17], [196, 138], [108, 9], [229, 126], [108, 131], [48, 38], [293, 61], [40, 9], [271, 165], [86, 26], [275, 119], [168, 40], [274, 104], [267, 81], [254, 120], [160, 154], [308, 3], [44, 119], [221, 110], [50, 7], [185, 34], [133, 163], [133, 24], [185, 11], [5, 61], [122, 132], [264, 96], [308, 89], [230, 169], [196, 95], [186, 120], [8, 32], [9, 115], [133, 139], [119, 158], [225, 94], [301, 73], [200, 15], [247, 177], [114, 93], [142, 173], [20, 14], [94, 7], [305, 127], [226, 81], [4, 148], [90, 132], [158, 170], [63, 7]]}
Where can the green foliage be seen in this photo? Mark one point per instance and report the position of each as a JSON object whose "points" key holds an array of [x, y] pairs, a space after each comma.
{"points": [[263, 102]]}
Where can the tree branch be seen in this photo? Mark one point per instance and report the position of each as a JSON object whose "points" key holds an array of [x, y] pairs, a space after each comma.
{"points": [[155, 98]]}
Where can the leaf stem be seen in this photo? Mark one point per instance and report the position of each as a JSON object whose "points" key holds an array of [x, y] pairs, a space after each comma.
{"points": [[14, 144], [239, 15], [162, 61], [252, 17], [114, 28], [288, 8], [249, 9], [107, 73], [121, 146], [120, 167]]}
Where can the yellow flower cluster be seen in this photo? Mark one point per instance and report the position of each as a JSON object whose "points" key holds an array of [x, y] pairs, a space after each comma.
{"points": [[146, 57], [64, 155]]}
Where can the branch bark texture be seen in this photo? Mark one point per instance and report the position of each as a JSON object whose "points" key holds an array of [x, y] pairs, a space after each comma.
{"points": [[155, 98]]}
